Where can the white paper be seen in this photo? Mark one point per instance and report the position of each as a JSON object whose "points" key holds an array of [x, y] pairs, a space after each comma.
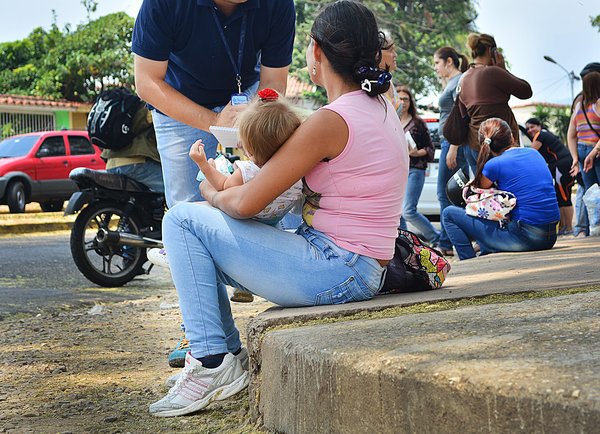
{"points": [[412, 145], [228, 137]]}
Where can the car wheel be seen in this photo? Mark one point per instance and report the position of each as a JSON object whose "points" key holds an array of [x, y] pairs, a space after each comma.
{"points": [[52, 205], [15, 197]]}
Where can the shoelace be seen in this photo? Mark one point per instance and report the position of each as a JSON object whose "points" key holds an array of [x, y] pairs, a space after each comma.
{"points": [[183, 344]]}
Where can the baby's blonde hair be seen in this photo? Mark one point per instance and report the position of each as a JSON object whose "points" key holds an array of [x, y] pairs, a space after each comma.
{"points": [[265, 125]]}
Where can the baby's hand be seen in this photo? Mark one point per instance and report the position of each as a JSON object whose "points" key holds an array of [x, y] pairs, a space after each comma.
{"points": [[197, 153]]}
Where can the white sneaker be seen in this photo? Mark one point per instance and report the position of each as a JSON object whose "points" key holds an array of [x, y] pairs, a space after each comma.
{"points": [[158, 257], [198, 386], [242, 356]]}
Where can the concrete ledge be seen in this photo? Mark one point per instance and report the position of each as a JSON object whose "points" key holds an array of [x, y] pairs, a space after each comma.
{"points": [[531, 366], [571, 264]]}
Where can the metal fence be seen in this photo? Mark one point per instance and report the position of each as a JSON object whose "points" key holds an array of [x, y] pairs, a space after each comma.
{"points": [[21, 123]]}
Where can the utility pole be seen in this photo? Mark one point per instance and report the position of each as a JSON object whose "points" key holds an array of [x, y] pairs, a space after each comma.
{"points": [[570, 75]]}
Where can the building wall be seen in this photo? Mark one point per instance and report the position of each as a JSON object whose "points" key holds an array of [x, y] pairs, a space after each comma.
{"points": [[78, 121]]}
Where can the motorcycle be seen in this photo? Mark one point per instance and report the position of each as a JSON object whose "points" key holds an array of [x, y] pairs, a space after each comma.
{"points": [[119, 218]]}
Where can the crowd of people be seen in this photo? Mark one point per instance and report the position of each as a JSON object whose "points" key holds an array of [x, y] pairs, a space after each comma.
{"points": [[358, 164]]}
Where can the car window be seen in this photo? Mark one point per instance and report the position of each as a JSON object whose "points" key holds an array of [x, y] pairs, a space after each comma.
{"points": [[52, 147], [17, 146], [80, 145]]}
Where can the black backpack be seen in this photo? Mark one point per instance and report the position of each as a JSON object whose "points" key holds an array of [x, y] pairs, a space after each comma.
{"points": [[110, 122]]}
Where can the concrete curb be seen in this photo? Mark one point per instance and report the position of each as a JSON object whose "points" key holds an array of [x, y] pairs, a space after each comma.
{"points": [[570, 264], [34, 227], [520, 367]]}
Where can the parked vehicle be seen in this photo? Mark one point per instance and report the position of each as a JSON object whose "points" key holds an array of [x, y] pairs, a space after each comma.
{"points": [[428, 202], [35, 167], [119, 219]]}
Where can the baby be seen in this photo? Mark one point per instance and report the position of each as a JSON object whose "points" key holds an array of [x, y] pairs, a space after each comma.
{"points": [[263, 127]]}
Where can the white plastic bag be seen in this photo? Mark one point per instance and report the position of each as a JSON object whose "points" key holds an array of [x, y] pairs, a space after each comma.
{"points": [[591, 198]]}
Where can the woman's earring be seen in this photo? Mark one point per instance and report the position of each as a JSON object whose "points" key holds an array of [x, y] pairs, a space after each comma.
{"points": [[314, 70]]}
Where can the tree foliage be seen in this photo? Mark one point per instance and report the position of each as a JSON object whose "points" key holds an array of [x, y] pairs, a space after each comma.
{"points": [[596, 21], [75, 65], [419, 28], [555, 118]]}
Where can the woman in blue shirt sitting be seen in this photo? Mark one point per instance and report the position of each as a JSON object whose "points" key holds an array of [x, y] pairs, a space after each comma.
{"points": [[521, 171]]}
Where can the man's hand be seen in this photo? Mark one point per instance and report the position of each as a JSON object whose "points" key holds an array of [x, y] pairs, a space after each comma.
{"points": [[451, 156], [229, 115]]}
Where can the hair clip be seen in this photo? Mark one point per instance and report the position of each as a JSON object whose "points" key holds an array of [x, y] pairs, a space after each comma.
{"points": [[384, 77], [487, 141], [268, 94]]}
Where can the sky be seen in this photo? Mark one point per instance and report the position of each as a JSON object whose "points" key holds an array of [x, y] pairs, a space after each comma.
{"points": [[526, 30]]}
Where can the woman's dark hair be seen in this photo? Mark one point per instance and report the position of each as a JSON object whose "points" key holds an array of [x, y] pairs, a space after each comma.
{"points": [[412, 107], [494, 136], [347, 33], [591, 88], [534, 121], [479, 43], [460, 61]]}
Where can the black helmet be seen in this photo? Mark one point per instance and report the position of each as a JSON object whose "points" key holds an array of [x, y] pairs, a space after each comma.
{"points": [[454, 188], [594, 66]]}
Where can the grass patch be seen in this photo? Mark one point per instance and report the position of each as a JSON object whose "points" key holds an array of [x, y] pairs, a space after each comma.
{"points": [[440, 306]]}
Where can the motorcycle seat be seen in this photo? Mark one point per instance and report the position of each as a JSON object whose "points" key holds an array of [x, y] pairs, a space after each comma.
{"points": [[85, 177]]}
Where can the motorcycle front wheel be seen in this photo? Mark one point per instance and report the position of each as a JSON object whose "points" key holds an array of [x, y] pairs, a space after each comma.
{"points": [[106, 264]]}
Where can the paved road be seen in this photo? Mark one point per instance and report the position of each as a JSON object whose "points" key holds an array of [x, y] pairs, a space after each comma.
{"points": [[37, 274]]}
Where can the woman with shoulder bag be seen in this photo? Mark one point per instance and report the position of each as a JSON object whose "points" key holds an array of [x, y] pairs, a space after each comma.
{"points": [[585, 131], [485, 90], [421, 152], [532, 224]]}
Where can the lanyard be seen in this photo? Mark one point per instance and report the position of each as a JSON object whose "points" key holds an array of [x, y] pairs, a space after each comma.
{"points": [[236, 66]]}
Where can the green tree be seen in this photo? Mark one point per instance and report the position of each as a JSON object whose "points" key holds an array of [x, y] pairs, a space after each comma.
{"points": [[555, 118], [75, 65], [596, 21], [419, 28]]}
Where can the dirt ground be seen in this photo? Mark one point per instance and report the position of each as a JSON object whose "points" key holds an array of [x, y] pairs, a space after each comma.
{"points": [[96, 370]]}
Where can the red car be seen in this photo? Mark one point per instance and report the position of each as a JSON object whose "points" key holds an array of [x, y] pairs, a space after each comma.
{"points": [[35, 167]]}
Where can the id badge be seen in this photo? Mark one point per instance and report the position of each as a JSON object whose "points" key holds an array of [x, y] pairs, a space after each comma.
{"points": [[239, 98]]}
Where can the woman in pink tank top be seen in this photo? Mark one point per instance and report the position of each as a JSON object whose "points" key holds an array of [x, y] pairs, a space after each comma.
{"points": [[353, 159]]}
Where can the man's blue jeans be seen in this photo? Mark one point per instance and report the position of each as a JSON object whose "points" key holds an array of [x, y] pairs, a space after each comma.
{"points": [[516, 236], [414, 187], [148, 173], [208, 250], [444, 174], [174, 140]]}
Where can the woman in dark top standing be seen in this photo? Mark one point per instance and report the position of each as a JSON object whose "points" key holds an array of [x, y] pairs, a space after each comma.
{"points": [[419, 158], [559, 162], [486, 88]]}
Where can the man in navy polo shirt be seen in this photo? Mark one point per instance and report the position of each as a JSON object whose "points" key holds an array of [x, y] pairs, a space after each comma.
{"points": [[191, 56]]}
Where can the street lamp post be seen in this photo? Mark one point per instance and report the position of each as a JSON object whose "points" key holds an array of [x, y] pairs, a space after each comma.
{"points": [[570, 75]]}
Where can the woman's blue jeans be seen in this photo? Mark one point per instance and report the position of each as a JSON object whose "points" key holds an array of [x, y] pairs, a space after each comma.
{"points": [[208, 250], [414, 187], [444, 174], [593, 176], [516, 236]]}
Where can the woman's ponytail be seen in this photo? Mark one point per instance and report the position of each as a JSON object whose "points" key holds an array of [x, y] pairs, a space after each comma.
{"points": [[494, 136]]}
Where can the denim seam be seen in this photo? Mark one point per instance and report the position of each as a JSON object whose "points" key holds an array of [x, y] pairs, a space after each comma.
{"points": [[196, 290]]}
